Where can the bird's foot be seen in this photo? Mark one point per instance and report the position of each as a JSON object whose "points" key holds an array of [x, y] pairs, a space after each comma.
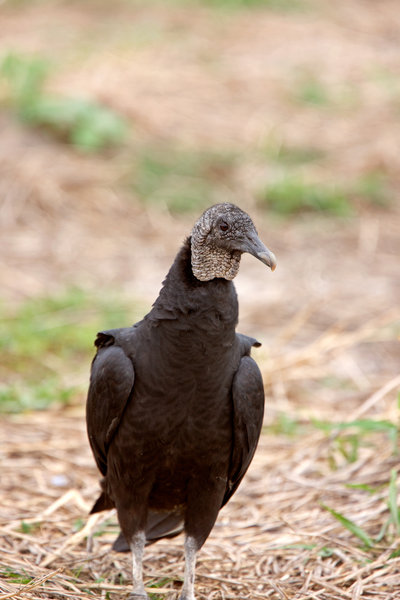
{"points": [[138, 597], [186, 597]]}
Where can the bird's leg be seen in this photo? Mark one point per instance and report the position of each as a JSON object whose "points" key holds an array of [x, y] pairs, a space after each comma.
{"points": [[137, 547], [191, 548]]}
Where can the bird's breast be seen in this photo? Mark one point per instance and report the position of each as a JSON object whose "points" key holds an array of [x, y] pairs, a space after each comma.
{"points": [[181, 401]]}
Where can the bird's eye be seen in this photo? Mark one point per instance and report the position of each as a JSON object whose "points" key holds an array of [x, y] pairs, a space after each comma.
{"points": [[224, 226]]}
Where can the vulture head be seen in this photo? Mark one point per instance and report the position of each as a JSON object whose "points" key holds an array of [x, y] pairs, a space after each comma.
{"points": [[218, 240]]}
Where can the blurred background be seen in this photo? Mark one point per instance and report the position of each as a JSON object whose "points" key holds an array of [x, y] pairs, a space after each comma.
{"points": [[120, 122]]}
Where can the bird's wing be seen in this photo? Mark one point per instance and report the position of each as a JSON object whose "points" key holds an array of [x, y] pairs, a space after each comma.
{"points": [[111, 385], [248, 412]]}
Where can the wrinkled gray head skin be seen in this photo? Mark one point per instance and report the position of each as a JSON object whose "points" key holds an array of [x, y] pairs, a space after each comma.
{"points": [[219, 238]]}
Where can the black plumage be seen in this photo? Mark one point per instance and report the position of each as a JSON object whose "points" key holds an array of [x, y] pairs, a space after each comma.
{"points": [[175, 403]]}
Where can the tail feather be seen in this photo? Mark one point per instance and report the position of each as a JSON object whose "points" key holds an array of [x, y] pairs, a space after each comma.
{"points": [[103, 502], [159, 525]]}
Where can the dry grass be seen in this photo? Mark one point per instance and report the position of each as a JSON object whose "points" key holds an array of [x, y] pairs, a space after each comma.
{"points": [[275, 539], [328, 317]]}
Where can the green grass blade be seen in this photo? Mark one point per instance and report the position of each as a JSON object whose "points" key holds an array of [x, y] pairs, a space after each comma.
{"points": [[362, 486], [394, 510], [363, 425], [351, 526]]}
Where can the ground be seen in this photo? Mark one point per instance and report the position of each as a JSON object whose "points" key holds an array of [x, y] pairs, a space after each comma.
{"points": [[288, 108]]}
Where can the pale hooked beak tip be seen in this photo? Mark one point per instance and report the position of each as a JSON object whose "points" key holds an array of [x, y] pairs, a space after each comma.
{"points": [[268, 258]]}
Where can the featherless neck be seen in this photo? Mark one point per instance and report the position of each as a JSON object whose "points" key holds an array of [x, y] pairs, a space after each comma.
{"points": [[210, 261]]}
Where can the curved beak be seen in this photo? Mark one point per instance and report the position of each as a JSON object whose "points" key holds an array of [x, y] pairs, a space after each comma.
{"points": [[255, 247], [268, 258]]}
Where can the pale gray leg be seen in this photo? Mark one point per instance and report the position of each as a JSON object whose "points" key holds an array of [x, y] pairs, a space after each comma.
{"points": [[190, 566], [137, 547]]}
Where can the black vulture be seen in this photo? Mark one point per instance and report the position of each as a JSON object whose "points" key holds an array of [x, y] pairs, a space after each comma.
{"points": [[176, 403]]}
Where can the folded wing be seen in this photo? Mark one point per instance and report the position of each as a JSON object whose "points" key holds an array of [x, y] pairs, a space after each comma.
{"points": [[248, 412], [111, 386]]}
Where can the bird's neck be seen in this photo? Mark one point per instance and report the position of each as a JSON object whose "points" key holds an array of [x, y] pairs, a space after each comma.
{"points": [[202, 303]]}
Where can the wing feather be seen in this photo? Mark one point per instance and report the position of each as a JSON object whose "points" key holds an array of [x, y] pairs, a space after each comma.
{"points": [[248, 412], [111, 385]]}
